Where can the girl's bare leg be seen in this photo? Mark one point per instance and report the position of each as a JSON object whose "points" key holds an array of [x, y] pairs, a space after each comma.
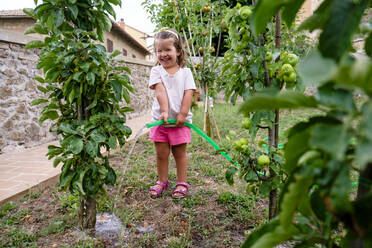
{"points": [[179, 153], [162, 154]]}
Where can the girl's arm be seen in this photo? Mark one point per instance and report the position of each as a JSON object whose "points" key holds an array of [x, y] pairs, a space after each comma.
{"points": [[185, 107], [162, 97]]}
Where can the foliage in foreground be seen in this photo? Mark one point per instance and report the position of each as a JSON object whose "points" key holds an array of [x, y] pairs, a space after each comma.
{"points": [[321, 153]]}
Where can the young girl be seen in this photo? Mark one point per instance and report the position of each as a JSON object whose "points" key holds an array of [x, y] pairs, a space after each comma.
{"points": [[174, 86]]}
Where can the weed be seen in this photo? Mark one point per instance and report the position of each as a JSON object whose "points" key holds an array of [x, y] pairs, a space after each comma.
{"points": [[69, 203], [53, 227], [17, 237], [238, 205], [14, 219], [193, 201], [6, 208]]}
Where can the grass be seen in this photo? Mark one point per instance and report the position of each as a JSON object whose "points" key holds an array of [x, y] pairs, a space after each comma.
{"points": [[214, 214]]}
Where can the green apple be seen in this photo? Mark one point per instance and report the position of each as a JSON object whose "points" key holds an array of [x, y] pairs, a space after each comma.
{"points": [[245, 12], [244, 141], [292, 59], [263, 160], [246, 123], [290, 79], [268, 56], [286, 69]]}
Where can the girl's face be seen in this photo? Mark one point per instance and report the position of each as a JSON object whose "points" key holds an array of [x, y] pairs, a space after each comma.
{"points": [[166, 53]]}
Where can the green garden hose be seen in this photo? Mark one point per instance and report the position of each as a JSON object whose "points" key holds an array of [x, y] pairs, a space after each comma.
{"points": [[207, 138], [197, 130]]}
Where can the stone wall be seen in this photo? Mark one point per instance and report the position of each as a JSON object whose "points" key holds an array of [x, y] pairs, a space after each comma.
{"points": [[19, 126]]}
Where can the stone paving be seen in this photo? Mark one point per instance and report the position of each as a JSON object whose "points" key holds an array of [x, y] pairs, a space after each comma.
{"points": [[30, 170]]}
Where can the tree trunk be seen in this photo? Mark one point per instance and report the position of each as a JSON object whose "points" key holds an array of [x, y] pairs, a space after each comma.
{"points": [[274, 133], [87, 214], [273, 201], [87, 209]]}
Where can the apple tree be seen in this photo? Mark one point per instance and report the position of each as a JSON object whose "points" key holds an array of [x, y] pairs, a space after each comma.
{"points": [[254, 64], [84, 88]]}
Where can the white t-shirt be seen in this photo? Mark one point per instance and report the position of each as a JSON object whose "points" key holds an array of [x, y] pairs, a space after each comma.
{"points": [[175, 86]]}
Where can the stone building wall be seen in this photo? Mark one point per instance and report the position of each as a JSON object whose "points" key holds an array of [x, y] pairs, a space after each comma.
{"points": [[19, 122]]}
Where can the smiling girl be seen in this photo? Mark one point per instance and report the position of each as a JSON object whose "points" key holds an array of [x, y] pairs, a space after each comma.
{"points": [[174, 86]]}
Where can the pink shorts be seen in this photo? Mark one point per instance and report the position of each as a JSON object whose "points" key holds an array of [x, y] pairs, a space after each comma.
{"points": [[172, 135]]}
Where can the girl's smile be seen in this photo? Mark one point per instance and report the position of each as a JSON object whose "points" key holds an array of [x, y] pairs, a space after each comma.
{"points": [[167, 53]]}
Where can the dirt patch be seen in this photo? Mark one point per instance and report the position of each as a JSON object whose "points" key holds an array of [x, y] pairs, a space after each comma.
{"points": [[212, 215]]}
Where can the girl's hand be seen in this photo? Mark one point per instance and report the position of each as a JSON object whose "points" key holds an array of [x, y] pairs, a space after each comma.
{"points": [[164, 116], [181, 119]]}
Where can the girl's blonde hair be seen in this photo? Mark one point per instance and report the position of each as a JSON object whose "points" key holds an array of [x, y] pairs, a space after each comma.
{"points": [[166, 33]]}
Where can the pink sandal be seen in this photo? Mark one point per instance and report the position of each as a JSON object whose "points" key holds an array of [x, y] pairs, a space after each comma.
{"points": [[183, 192], [158, 190]]}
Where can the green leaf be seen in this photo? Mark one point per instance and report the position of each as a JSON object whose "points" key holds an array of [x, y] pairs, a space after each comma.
{"points": [[76, 76], [85, 66], [35, 44], [269, 235], [340, 190], [54, 151], [112, 142], [51, 20], [57, 161], [65, 178], [66, 129], [263, 13], [294, 148], [230, 172], [91, 77], [29, 11], [330, 138], [315, 69], [318, 206], [114, 54], [368, 45], [91, 148], [38, 101], [265, 188], [107, 23], [73, 143], [39, 79], [250, 177], [259, 232], [344, 18], [115, 2], [98, 135], [123, 68], [111, 177], [288, 99], [334, 97], [118, 88], [126, 96], [59, 18], [290, 10], [30, 30], [363, 153], [356, 73], [297, 191], [42, 89], [74, 10], [78, 185], [51, 114]]}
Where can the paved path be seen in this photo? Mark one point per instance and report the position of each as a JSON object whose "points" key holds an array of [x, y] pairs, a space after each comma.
{"points": [[30, 170]]}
